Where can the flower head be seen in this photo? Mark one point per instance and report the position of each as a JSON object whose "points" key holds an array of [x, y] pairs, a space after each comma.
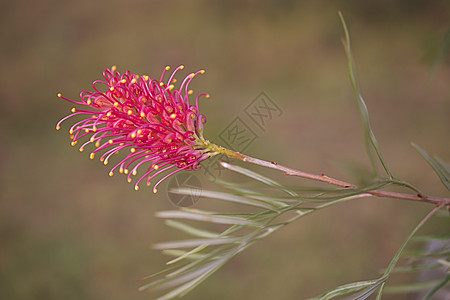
{"points": [[150, 118]]}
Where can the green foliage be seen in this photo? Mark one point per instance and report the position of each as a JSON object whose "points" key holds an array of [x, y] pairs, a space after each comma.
{"points": [[271, 206], [441, 168]]}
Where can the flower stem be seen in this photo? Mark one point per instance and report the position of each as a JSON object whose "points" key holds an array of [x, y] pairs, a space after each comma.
{"points": [[326, 179]]}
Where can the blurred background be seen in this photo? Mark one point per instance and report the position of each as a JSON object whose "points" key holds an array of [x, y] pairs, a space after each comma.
{"points": [[69, 231]]}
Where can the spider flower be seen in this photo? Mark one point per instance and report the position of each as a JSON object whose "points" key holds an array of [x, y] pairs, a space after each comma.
{"points": [[150, 119]]}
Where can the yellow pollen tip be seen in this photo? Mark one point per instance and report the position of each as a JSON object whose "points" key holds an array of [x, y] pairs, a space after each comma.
{"points": [[105, 162], [89, 102], [73, 110], [136, 188], [155, 190], [145, 77], [58, 127], [208, 96], [190, 92], [133, 81], [133, 135], [142, 115], [173, 116], [126, 171], [92, 155], [202, 71], [139, 131], [181, 67], [161, 84], [170, 87], [94, 129], [174, 80], [110, 141], [167, 68], [116, 104], [156, 167], [59, 95], [102, 159], [134, 172], [108, 114], [73, 143], [130, 112], [132, 150], [129, 179], [81, 149], [97, 144], [111, 173], [92, 139], [111, 88], [114, 68]]}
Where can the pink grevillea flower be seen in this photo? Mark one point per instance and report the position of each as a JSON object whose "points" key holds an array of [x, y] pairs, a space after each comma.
{"points": [[150, 119]]}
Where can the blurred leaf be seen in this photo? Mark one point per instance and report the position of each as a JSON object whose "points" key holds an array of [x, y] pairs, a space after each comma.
{"points": [[198, 215], [197, 277], [180, 254], [436, 288], [257, 177], [412, 287], [441, 168], [413, 268], [347, 288], [440, 56], [191, 230], [369, 137], [195, 243], [227, 197], [394, 261]]}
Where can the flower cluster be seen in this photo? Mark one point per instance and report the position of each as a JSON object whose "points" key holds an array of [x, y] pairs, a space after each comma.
{"points": [[150, 118]]}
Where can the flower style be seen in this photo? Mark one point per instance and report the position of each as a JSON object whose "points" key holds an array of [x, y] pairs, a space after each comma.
{"points": [[151, 118]]}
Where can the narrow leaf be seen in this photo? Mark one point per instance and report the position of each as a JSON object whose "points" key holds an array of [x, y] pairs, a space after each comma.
{"points": [[184, 254], [191, 230], [394, 261], [207, 271], [413, 287], [205, 217], [438, 286], [195, 243], [257, 177], [362, 107], [226, 197], [441, 168], [346, 289]]}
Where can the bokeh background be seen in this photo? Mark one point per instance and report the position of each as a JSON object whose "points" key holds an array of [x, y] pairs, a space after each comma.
{"points": [[69, 231]]}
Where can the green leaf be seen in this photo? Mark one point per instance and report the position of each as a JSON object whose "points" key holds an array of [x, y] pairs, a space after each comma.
{"points": [[369, 137], [257, 177], [226, 197], [180, 254], [438, 286], [394, 261], [192, 230], [198, 215], [415, 268], [346, 289], [441, 168], [195, 243], [413, 287], [197, 277]]}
